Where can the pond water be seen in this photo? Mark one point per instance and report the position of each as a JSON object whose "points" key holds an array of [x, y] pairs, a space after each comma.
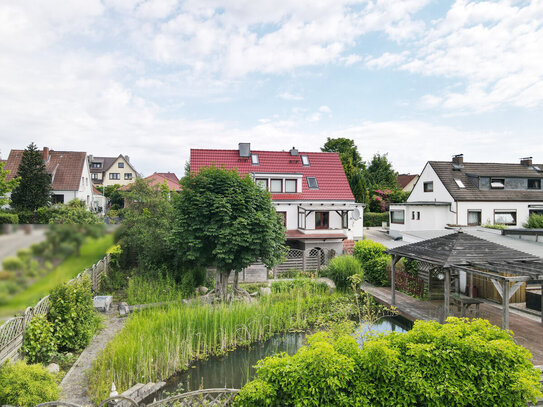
{"points": [[236, 368]]}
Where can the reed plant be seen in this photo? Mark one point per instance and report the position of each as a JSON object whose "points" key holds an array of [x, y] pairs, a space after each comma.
{"points": [[144, 290], [156, 343]]}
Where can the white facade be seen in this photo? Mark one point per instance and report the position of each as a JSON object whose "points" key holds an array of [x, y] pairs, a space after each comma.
{"points": [[431, 207]]}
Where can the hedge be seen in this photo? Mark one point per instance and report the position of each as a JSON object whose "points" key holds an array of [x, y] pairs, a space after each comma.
{"points": [[8, 219], [375, 218]]}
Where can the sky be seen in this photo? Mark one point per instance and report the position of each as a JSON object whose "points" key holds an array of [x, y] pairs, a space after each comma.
{"points": [[417, 79]]}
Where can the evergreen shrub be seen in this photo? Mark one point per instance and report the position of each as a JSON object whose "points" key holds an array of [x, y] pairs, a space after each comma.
{"points": [[373, 259]]}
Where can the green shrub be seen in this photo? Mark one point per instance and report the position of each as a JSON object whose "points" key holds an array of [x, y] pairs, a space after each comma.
{"points": [[373, 259], [462, 363], [8, 219], [26, 385], [534, 222], [5, 275], [72, 314], [372, 219], [12, 264], [39, 342], [497, 226], [341, 268]]}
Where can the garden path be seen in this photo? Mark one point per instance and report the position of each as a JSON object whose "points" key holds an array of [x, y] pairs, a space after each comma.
{"points": [[74, 385]]}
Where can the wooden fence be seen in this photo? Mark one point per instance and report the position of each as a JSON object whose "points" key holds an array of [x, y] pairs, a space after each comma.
{"points": [[305, 260], [409, 283], [12, 331]]}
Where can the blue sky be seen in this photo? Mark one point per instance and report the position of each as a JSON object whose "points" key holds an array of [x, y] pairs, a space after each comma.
{"points": [[417, 79]]}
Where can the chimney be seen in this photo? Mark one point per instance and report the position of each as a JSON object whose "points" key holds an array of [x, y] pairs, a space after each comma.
{"points": [[458, 161], [526, 161], [293, 151], [127, 158], [45, 154], [90, 157], [244, 149]]}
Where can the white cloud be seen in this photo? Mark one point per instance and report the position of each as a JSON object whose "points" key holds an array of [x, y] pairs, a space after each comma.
{"points": [[290, 96], [325, 109], [386, 60]]}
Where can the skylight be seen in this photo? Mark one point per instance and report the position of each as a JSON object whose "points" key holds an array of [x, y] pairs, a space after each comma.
{"points": [[254, 159], [459, 183], [305, 160], [312, 183]]}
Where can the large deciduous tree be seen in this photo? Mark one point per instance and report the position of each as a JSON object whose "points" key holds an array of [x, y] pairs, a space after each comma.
{"points": [[6, 186], [34, 189], [226, 221]]}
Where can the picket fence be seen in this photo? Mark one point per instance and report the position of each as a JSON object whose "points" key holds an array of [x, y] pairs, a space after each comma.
{"points": [[12, 331]]}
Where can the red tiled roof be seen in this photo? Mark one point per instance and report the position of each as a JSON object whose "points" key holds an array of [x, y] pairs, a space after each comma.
{"points": [[96, 191], [65, 168], [405, 179], [296, 234], [326, 167], [158, 178]]}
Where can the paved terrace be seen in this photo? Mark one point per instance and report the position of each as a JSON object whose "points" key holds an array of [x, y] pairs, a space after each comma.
{"points": [[527, 329]]}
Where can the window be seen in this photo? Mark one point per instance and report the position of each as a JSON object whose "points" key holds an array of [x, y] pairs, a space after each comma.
{"points": [[94, 175], [413, 215], [505, 217], [321, 220], [497, 183], [474, 218], [429, 186], [276, 185], [96, 165], [305, 160], [283, 216], [344, 220], [128, 175], [534, 183], [418, 215], [114, 175], [262, 183], [312, 183], [254, 159], [120, 165], [58, 199], [291, 186], [459, 183], [397, 217]]}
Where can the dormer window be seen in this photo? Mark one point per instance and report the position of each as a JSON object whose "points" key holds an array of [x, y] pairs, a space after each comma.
{"points": [[276, 186], [534, 183], [312, 183], [305, 160], [254, 159], [291, 186], [497, 183]]}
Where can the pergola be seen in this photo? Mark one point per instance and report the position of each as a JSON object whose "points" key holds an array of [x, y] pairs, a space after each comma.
{"points": [[506, 268]]}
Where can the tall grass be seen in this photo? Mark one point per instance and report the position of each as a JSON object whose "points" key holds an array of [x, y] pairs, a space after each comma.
{"points": [[142, 290], [156, 343]]}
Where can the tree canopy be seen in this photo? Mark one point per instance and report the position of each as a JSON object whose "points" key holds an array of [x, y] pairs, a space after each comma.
{"points": [[226, 221], [34, 189], [6, 186]]}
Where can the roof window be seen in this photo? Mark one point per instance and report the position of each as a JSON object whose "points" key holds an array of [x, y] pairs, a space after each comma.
{"points": [[312, 183], [305, 160], [459, 183], [254, 159]]}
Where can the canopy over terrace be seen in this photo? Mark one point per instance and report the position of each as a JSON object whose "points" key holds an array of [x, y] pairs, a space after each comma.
{"points": [[463, 252]]}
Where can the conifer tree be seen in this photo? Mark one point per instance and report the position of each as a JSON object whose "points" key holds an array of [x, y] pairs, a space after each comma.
{"points": [[34, 189]]}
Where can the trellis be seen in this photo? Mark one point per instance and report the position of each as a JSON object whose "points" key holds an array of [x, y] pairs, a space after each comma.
{"points": [[12, 331], [313, 259]]}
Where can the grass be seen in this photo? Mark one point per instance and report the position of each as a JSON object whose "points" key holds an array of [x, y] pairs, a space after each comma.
{"points": [[91, 251], [156, 343], [141, 290]]}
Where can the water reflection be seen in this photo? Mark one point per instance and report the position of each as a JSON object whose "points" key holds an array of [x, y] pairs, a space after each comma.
{"points": [[236, 368]]}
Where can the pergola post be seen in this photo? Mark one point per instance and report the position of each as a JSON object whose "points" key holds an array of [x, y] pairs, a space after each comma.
{"points": [[447, 293], [471, 285], [395, 259], [505, 319]]}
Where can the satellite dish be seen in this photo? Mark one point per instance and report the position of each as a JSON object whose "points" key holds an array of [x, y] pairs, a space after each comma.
{"points": [[356, 214]]}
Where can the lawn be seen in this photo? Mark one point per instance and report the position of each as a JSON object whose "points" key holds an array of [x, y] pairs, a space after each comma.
{"points": [[91, 251]]}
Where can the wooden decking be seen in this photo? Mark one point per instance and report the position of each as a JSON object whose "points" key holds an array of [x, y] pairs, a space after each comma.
{"points": [[528, 331]]}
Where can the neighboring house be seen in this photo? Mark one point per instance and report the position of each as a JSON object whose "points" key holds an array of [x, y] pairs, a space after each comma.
{"points": [[407, 181], [159, 178], [69, 170], [309, 190], [107, 171], [470, 194], [99, 201]]}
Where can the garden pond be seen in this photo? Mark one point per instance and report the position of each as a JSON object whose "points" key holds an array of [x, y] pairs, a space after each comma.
{"points": [[236, 368]]}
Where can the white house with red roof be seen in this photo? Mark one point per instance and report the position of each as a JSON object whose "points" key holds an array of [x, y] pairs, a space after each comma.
{"points": [[309, 190]]}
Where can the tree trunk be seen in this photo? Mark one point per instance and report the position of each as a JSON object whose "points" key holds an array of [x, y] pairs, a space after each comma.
{"points": [[236, 281], [224, 277], [218, 284]]}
